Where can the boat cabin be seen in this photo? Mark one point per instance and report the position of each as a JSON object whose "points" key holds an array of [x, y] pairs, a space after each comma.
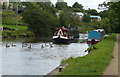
{"points": [[96, 35]]}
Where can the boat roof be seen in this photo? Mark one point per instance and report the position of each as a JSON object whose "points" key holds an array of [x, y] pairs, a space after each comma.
{"points": [[95, 16], [99, 30], [61, 28]]}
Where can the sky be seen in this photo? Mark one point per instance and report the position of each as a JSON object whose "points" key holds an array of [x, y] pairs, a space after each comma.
{"points": [[93, 4]]}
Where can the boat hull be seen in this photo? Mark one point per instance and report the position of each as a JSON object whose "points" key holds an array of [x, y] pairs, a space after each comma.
{"points": [[90, 42], [60, 41]]}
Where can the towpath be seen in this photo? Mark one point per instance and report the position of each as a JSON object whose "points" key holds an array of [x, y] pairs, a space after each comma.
{"points": [[112, 69]]}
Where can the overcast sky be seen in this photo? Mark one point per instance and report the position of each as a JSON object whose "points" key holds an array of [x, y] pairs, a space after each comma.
{"points": [[93, 4]]}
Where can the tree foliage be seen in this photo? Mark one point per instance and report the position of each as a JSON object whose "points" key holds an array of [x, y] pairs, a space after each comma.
{"points": [[86, 18], [116, 8], [113, 14], [63, 18], [68, 17], [77, 5], [40, 21], [92, 12], [61, 5]]}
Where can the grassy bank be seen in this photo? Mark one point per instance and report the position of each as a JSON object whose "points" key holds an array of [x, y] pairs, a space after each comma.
{"points": [[20, 31], [15, 27], [17, 34], [95, 62]]}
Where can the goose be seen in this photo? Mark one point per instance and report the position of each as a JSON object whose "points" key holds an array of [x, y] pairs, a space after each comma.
{"points": [[42, 46], [51, 45], [29, 46], [46, 45], [7, 45], [13, 45], [24, 44]]}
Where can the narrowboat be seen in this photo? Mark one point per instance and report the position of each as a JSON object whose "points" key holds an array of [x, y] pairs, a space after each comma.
{"points": [[64, 35], [95, 36]]}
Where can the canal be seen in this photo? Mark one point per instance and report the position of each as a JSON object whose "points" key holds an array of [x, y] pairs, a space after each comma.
{"points": [[37, 57]]}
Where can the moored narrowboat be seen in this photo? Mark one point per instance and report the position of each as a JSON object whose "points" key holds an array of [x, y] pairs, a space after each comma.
{"points": [[95, 36]]}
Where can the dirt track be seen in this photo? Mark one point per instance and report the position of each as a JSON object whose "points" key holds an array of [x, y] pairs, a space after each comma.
{"points": [[112, 69]]}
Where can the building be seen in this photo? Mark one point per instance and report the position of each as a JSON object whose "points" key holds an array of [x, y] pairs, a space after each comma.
{"points": [[80, 14], [4, 2]]}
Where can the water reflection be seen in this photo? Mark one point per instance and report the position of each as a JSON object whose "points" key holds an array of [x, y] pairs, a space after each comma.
{"points": [[28, 40], [20, 60]]}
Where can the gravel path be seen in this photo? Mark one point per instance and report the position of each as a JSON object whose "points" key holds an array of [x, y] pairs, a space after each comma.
{"points": [[112, 69]]}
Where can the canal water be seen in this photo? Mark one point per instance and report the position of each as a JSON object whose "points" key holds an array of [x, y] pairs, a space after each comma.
{"points": [[39, 59]]}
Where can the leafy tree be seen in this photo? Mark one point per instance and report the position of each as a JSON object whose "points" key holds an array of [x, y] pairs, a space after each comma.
{"points": [[116, 8], [113, 14], [61, 5], [63, 18], [40, 21], [77, 5], [68, 17], [104, 24], [47, 6], [74, 19], [92, 12], [104, 14], [86, 18]]}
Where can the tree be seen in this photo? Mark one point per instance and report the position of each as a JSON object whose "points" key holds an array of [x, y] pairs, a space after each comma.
{"points": [[40, 21], [77, 5], [116, 8], [104, 14], [104, 24], [74, 19], [113, 14], [47, 6], [61, 5], [63, 18], [92, 12], [68, 17], [86, 18]]}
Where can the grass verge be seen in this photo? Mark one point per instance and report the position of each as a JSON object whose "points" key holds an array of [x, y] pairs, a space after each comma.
{"points": [[95, 62], [17, 33], [15, 27]]}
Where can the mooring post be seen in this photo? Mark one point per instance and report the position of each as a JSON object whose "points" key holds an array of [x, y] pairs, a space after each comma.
{"points": [[60, 68]]}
